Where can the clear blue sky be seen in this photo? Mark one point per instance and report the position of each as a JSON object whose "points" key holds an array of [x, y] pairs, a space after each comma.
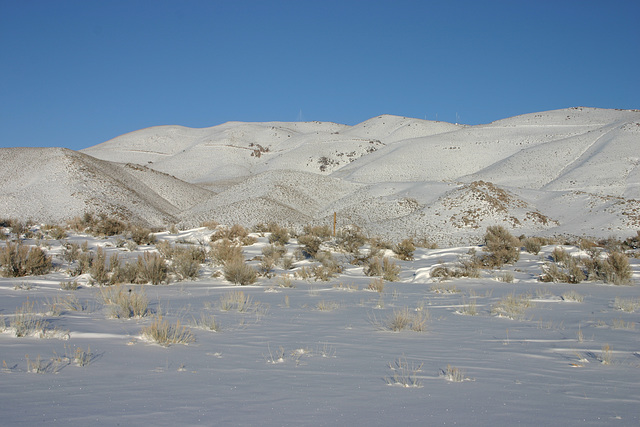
{"points": [[78, 73]]}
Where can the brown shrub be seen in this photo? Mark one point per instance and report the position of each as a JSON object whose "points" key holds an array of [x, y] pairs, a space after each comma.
{"points": [[152, 268], [18, 260], [502, 247]]}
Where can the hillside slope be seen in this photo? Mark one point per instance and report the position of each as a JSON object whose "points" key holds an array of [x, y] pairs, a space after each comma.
{"points": [[571, 171]]}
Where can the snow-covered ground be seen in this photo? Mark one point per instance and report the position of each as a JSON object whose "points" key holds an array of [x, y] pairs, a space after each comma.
{"points": [[321, 353]]}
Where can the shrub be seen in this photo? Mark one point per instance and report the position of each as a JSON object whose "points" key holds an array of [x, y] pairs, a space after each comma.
{"points": [[152, 268], [127, 273], [56, 232], [618, 270], [384, 267], [613, 269], [279, 235], [271, 255], [633, 242], [502, 247], [17, 260], [404, 250], [236, 232], [142, 236], [107, 226], [560, 256], [321, 231], [571, 273], [350, 240], [238, 272], [70, 251], [224, 251], [186, 261], [165, 248], [98, 268], [533, 245], [310, 245]]}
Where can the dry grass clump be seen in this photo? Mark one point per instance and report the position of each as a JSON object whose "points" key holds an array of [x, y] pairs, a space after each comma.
{"points": [[404, 374], [606, 356], [206, 322], [628, 305], [125, 304], [403, 318], [26, 322], [324, 305], [40, 366], [512, 306], [444, 289], [69, 285], [17, 260], [453, 374], [622, 324], [384, 267], [236, 300], [285, 281], [165, 334], [501, 247], [572, 296], [405, 249], [377, 285], [82, 357], [240, 273], [469, 308]]}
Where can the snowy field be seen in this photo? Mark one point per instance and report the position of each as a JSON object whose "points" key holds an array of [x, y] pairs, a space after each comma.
{"points": [[300, 351]]}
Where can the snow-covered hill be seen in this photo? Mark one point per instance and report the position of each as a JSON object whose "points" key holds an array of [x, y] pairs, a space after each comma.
{"points": [[571, 171]]}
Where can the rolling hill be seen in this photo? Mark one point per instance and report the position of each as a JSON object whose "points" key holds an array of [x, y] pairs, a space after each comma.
{"points": [[572, 171]]}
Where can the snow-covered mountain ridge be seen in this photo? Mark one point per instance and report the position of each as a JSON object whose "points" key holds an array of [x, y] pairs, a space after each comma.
{"points": [[570, 171]]}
